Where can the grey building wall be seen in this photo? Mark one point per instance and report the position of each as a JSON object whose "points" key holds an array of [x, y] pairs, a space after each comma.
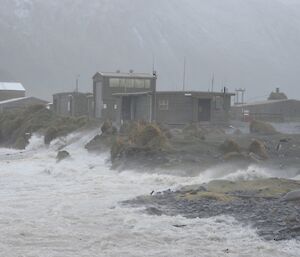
{"points": [[179, 108], [276, 110], [10, 94], [71, 104]]}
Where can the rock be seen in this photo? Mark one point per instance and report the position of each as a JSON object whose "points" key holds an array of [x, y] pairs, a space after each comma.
{"points": [[107, 128], [230, 146], [262, 127], [258, 148], [153, 211], [62, 155], [21, 143], [292, 196], [100, 143]]}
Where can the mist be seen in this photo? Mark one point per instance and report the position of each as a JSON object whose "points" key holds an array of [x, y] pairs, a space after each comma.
{"points": [[251, 44]]}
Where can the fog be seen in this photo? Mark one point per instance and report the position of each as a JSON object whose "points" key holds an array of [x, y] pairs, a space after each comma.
{"points": [[246, 43]]}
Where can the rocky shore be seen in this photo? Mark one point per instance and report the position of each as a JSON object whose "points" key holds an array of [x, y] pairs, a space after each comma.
{"points": [[264, 204]]}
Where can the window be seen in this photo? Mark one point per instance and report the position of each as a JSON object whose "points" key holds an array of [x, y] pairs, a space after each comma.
{"points": [[129, 83], [163, 104], [115, 107], [114, 82], [104, 106], [147, 83]]}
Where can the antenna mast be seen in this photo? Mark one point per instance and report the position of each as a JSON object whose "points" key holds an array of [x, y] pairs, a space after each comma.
{"points": [[213, 82], [184, 74]]}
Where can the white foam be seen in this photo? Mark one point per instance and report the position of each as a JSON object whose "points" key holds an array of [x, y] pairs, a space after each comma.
{"points": [[72, 208]]}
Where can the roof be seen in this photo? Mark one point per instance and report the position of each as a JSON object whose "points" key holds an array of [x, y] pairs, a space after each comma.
{"points": [[265, 102], [195, 93], [21, 99], [11, 86], [71, 93], [133, 93], [125, 75]]}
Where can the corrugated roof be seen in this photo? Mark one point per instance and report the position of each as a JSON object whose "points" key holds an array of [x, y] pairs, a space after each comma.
{"points": [[195, 93], [264, 102], [11, 86], [20, 99], [127, 75]]}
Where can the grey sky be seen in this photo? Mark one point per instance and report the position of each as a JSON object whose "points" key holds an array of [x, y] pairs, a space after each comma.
{"points": [[246, 43]]}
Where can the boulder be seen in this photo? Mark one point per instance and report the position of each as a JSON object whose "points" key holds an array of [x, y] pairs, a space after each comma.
{"points": [[258, 148], [261, 127], [107, 128], [62, 155], [292, 196]]}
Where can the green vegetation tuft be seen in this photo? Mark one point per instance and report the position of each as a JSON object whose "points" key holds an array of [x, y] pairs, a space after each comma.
{"points": [[17, 126]]}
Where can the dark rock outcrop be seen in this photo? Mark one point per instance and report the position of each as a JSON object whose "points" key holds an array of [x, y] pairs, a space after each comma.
{"points": [[62, 155]]}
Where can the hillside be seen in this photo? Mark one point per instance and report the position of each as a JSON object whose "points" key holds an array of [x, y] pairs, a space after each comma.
{"points": [[246, 43]]}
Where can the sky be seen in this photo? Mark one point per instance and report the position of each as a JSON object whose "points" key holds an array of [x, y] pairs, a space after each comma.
{"points": [[251, 44]]}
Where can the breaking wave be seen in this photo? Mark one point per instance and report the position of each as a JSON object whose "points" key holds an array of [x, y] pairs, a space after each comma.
{"points": [[72, 208]]}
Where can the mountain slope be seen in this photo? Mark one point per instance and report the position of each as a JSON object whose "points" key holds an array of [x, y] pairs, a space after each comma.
{"points": [[245, 43]]}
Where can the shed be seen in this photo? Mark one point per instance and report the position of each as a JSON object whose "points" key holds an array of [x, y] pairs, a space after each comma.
{"points": [[73, 104], [10, 90]]}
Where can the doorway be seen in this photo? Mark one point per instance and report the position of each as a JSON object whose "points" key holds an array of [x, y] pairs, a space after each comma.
{"points": [[204, 110]]}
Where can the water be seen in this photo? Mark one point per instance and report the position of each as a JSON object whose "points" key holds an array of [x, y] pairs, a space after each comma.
{"points": [[72, 209]]}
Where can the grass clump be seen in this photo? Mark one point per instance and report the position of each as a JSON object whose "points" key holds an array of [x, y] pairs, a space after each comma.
{"points": [[261, 127], [229, 146], [17, 126], [257, 147]]}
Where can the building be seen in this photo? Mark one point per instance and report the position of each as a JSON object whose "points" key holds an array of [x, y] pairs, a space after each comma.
{"points": [[10, 90], [277, 95], [20, 103], [73, 104], [132, 96], [270, 110], [124, 96], [180, 108], [278, 108]]}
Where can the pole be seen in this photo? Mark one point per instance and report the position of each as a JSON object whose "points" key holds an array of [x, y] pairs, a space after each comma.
{"points": [[213, 82], [77, 83], [184, 74]]}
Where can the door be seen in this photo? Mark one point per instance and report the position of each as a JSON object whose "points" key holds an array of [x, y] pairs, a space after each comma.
{"points": [[204, 110], [126, 108]]}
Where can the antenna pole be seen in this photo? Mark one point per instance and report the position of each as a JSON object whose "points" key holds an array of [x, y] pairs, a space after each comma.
{"points": [[212, 82], [153, 63], [77, 83], [184, 74]]}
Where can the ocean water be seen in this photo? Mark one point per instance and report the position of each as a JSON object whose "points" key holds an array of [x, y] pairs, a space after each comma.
{"points": [[72, 208]]}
